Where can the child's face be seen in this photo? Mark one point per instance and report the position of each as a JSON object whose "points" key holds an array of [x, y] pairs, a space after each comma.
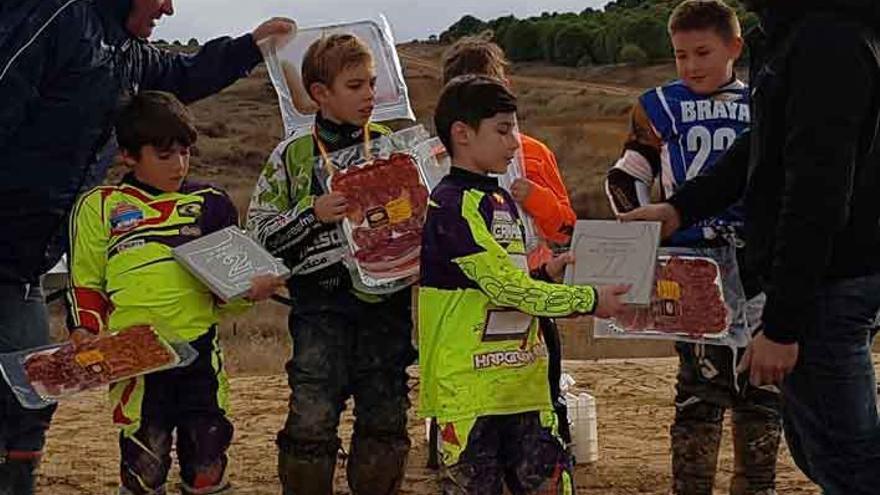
{"points": [[164, 169], [492, 146], [704, 59], [351, 97]]}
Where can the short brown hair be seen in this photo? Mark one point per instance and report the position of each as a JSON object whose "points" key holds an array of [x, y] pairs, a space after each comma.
{"points": [[474, 55], [154, 118], [695, 15], [327, 57], [470, 99]]}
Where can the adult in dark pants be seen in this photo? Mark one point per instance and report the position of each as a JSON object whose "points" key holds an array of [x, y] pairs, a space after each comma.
{"points": [[64, 64], [809, 171]]}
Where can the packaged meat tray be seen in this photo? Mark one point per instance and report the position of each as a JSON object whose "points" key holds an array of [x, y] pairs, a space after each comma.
{"points": [[40, 377], [387, 202], [284, 64], [687, 301]]}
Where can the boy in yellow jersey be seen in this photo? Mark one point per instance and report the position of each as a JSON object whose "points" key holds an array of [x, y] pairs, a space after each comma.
{"points": [[483, 363], [122, 275], [345, 343], [541, 193]]}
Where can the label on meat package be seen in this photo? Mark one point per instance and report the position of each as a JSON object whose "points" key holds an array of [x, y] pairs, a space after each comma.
{"points": [[89, 358], [399, 210]]}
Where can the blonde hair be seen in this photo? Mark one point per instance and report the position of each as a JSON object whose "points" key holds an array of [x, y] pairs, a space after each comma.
{"points": [[477, 55], [327, 57], [694, 15]]}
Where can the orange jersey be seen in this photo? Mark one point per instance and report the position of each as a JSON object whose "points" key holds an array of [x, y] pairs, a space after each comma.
{"points": [[548, 203]]}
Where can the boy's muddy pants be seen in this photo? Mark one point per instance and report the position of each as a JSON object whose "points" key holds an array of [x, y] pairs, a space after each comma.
{"points": [[188, 403], [344, 347], [704, 391]]}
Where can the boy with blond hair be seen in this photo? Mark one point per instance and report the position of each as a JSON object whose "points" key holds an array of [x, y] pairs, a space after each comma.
{"points": [[679, 131], [345, 343]]}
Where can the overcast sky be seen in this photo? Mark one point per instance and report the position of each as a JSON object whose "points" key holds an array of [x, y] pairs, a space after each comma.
{"points": [[410, 19]]}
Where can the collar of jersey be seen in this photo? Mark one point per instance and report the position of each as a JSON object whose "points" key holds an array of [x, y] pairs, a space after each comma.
{"points": [[471, 179], [338, 136], [131, 180]]}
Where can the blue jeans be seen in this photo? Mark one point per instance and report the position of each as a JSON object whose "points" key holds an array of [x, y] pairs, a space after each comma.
{"points": [[24, 324], [829, 400]]}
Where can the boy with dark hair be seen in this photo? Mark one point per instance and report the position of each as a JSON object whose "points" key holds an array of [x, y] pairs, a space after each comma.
{"points": [[346, 343], [122, 275], [541, 192], [678, 131], [483, 364]]}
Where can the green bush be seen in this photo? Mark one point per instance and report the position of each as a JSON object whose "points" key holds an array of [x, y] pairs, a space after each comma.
{"points": [[632, 54]]}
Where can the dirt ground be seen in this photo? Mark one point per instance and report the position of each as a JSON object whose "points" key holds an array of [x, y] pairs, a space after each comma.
{"points": [[634, 408]]}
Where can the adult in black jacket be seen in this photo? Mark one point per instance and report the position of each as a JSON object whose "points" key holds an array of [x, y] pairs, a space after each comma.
{"points": [[809, 171], [64, 64]]}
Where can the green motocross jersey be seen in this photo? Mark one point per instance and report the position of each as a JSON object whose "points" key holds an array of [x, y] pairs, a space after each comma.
{"points": [[281, 215], [122, 272], [480, 350]]}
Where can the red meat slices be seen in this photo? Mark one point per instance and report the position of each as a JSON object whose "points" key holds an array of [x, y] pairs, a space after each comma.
{"points": [[387, 205], [698, 310], [99, 362]]}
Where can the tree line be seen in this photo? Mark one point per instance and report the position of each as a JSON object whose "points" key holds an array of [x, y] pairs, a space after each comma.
{"points": [[625, 31]]}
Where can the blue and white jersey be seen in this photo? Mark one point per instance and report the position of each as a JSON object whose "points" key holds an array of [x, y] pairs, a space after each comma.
{"points": [[677, 135]]}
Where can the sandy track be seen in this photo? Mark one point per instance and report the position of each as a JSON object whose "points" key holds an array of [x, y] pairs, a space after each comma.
{"points": [[634, 398]]}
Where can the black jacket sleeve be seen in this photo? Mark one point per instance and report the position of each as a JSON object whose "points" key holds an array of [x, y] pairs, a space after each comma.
{"points": [[33, 55], [191, 77], [824, 135], [710, 194]]}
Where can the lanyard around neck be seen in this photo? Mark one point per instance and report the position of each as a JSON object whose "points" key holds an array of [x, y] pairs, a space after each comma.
{"points": [[328, 162]]}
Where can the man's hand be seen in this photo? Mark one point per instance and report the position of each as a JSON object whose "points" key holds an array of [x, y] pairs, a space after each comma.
{"points": [[263, 287], [331, 208], [80, 336], [664, 213], [520, 190], [555, 268], [767, 361], [277, 31], [610, 304]]}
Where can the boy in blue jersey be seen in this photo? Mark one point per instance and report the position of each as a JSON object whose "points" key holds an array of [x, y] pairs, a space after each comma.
{"points": [[678, 132]]}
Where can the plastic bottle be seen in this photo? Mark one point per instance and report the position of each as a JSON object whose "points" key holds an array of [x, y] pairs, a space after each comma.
{"points": [[584, 427]]}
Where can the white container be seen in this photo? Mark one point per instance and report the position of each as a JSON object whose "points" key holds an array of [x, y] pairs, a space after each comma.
{"points": [[584, 427]]}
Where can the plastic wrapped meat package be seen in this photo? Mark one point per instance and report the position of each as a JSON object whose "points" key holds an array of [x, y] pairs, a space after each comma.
{"points": [[387, 201], [697, 297], [284, 63], [41, 376]]}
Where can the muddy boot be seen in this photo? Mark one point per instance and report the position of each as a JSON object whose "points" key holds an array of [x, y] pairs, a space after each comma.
{"points": [[377, 466], [696, 437], [17, 477], [306, 476], [757, 432]]}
